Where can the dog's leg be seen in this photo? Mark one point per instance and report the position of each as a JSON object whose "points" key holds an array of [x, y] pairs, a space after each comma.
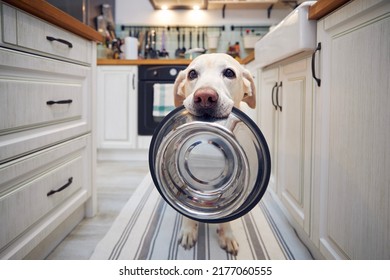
{"points": [[188, 233], [226, 239]]}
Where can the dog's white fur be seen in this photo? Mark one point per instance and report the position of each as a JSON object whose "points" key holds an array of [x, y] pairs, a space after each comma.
{"points": [[210, 69]]}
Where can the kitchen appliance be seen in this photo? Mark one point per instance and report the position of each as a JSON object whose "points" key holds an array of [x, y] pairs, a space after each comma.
{"points": [[210, 169], [149, 76]]}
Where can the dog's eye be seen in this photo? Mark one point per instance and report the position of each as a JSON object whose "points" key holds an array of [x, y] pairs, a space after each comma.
{"points": [[229, 73], [192, 75]]}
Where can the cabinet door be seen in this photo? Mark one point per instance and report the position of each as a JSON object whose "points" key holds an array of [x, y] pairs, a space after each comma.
{"points": [[117, 101], [355, 132], [294, 152], [268, 118]]}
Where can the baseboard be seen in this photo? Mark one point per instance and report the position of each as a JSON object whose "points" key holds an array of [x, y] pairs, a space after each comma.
{"points": [[55, 237]]}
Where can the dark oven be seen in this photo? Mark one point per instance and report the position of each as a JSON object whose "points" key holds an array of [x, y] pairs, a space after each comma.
{"points": [[155, 95]]}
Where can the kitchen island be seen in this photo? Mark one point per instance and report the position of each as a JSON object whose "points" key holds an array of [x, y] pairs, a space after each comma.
{"points": [[47, 112]]}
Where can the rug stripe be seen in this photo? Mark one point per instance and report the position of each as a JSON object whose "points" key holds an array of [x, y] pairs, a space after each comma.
{"points": [[255, 241], [146, 246], [201, 243], [173, 244], [116, 251]]}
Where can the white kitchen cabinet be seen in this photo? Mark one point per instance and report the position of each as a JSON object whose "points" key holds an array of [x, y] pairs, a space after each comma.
{"points": [[351, 200], [285, 118], [46, 134], [117, 107]]}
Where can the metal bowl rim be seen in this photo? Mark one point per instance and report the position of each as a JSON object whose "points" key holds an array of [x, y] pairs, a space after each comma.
{"points": [[261, 181]]}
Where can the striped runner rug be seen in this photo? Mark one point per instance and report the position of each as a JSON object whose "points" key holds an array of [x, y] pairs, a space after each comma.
{"points": [[147, 228]]}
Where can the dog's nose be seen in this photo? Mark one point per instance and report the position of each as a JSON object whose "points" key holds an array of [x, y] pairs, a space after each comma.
{"points": [[206, 98]]}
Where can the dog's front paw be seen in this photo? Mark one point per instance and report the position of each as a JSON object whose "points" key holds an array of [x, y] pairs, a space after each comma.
{"points": [[227, 241], [188, 235]]}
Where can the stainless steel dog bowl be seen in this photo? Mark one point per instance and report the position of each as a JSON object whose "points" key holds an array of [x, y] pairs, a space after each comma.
{"points": [[209, 169]]}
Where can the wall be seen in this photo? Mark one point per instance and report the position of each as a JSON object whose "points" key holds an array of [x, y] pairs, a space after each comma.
{"points": [[142, 13]]}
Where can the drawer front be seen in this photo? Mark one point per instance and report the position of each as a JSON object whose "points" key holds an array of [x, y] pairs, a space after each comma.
{"points": [[36, 35], [27, 83], [26, 104], [30, 188]]}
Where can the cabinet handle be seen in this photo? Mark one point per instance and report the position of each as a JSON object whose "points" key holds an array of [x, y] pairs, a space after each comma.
{"points": [[70, 180], [51, 39], [134, 81], [313, 64], [277, 96], [272, 96], [52, 102]]}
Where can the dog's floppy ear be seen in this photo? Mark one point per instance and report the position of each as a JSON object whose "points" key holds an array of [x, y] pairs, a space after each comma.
{"points": [[178, 88], [249, 89]]}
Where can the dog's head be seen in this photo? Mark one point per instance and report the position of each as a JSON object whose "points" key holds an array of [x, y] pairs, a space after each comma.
{"points": [[212, 84]]}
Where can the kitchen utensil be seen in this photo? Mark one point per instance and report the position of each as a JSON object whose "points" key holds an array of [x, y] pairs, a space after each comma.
{"points": [[209, 169], [178, 50], [203, 40], [153, 38], [198, 38], [190, 39], [195, 52], [183, 50], [163, 52], [147, 44]]}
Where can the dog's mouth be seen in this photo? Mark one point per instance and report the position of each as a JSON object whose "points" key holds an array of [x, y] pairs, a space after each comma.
{"points": [[214, 110], [210, 112]]}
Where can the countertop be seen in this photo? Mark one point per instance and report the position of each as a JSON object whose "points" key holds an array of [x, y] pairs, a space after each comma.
{"points": [[45, 11], [103, 61], [324, 7]]}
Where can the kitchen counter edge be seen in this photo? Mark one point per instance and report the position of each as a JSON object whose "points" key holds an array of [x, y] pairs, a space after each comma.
{"points": [[48, 12], [324, 7], [136, 62]]}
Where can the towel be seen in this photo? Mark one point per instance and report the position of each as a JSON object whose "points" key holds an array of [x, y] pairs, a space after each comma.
{"points": [[163, 102]]}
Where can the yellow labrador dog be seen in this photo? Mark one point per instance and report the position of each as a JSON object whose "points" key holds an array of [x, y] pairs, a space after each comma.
{"points": [[211, 85]]}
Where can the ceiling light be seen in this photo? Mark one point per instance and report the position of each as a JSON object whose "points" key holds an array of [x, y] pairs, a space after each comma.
{"points": [[164, 7], [196, 7]]}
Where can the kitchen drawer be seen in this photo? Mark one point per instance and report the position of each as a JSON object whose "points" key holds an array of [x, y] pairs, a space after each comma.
{"points": [[35, 35], [29, 103], [27, 83], [27, 185]]}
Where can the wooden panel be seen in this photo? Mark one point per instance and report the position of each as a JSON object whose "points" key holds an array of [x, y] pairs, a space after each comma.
{"points": [[32, 34], [24, 186], [103, 61], [324, 7], [268, 121], [23, 104], [117, 99], [295, 140], [45, 11], [27, 82], [359, 156]]}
